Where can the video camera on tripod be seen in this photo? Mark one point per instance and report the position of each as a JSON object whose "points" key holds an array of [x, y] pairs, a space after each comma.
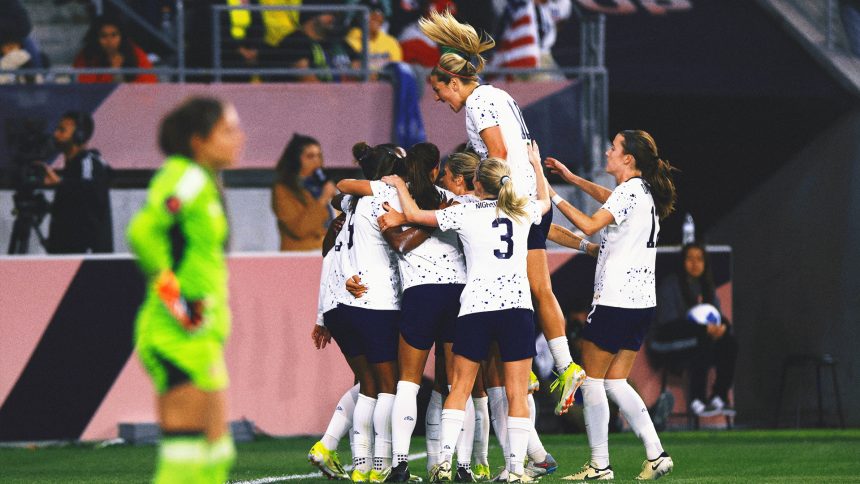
{"points": [[30, 146]]}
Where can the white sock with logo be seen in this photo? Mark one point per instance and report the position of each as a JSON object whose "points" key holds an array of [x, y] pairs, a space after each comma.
{"points": [[341, 419], [467, 436], [636, 413], [452, 424], [362, 432], [403, 417], [519, 429]]}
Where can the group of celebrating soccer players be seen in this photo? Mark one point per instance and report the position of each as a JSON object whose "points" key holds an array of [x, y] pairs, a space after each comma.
{"points": [[408, 266], [462, 266]]}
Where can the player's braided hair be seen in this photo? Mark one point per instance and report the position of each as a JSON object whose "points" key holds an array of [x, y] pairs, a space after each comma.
{"points": [[460, 44]]}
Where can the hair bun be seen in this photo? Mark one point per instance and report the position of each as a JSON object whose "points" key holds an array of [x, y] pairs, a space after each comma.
{"points": [[360, 150]]}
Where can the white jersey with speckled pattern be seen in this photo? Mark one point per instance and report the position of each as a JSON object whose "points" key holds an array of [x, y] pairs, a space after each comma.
{"points": [[370, 256], [495, 246], [334, 291], [624, 277], [488, 106], [438, 260]]}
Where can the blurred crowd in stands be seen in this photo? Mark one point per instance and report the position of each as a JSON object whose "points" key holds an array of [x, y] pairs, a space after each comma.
{"points": [[525, 31]]}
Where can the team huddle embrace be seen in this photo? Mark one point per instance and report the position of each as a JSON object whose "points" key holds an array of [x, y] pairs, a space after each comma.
{"points": [[410, 266], [457, 261]]}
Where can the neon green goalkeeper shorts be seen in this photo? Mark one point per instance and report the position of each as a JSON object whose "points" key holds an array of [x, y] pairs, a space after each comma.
{"points": [[172, 356]]}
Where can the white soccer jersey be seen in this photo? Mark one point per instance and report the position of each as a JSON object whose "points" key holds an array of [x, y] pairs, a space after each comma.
{"points": [[488, 106], [326, 300], [495, 247], [341, 267], [438, 260], [370, 256], [624, 277]]}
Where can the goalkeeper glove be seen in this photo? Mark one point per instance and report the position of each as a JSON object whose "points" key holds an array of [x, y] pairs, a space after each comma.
{"points": [[188, 313]]}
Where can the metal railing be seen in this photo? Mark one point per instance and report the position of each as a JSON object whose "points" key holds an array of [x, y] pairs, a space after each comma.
{"points": [[217, 40]]}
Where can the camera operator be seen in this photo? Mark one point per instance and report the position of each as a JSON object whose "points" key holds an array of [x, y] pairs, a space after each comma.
{"points": [[80, 213]]}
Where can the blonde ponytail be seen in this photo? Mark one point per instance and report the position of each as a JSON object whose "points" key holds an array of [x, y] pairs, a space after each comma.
{"points": [[495, 176], [460, 44]]}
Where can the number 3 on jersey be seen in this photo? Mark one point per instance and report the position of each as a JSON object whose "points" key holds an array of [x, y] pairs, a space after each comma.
{"points": [[506, 238]]}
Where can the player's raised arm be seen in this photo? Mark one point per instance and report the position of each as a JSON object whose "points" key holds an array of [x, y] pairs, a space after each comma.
{"points": [[542, 184], [595, 191], [410, 208]]}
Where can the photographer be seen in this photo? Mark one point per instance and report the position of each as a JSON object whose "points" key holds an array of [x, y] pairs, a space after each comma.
{"points": [[80, 214]]}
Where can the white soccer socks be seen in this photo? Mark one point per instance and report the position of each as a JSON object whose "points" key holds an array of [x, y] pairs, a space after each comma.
{"points": [[536, 450], [519, 430], [403, 417], [560, 353], [482, 431], [433, 427], [382, 431], [341, 420], [498, 402], [452, 425], [467, 436], [636, 413], [362, 432], [596, 411]]}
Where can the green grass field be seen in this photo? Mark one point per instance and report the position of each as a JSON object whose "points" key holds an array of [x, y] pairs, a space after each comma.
{"points": [[807, 456]]}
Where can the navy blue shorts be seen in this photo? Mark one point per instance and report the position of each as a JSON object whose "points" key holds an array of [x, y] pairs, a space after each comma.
{"points": [[513, 329], [539, 233], [368, 332], [614, 329], [429, 313]]}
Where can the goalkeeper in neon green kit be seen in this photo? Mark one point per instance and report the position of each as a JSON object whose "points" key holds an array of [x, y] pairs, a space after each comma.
{"points": [[179, 237]]}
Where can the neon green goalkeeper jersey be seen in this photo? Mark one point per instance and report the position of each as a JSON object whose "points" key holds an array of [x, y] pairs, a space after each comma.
{"points": [[183, 227]]}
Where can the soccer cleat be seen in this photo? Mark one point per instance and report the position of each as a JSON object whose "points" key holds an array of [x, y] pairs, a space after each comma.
{"points": [[327, 462], [591, 473], [540, 469], [655, 469], [534, 383], [481, 472], [570, 379], [414, 478], [520, 477], [464, 474], [399, 473], [379, 476], [441, 472], [359, 475]]}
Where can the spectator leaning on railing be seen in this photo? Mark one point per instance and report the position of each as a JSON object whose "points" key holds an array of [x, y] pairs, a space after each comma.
{"points": [[107, 45]]}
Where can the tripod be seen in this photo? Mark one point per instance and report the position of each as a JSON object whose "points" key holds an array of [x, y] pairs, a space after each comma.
{"points": [[30, 209]]}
